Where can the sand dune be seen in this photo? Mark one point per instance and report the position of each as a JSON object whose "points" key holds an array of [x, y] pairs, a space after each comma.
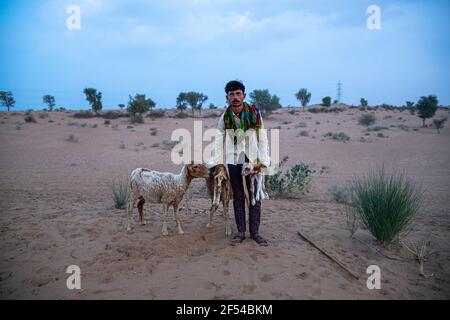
{"points": [[56, 211]]}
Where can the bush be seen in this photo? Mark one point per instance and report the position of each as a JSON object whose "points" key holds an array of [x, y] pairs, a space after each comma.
{"points": [[111, 115], [136, 118], [156, 114], [107, 122], [182, 115], [168, 144], [301, 125], [386, 203], [303, 133], [83, 115], [153, 131], [293, 183], [377, 128], [439, 124], [72, 138], [341, 193], [43, 115], [341, 136], [120, 193], [403, 127], [29, 118], [367, 119]]}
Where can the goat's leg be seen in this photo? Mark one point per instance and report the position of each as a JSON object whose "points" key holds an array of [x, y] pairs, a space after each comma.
{"points": [[225, 203], [177, 217], [263, 188], [140, 207], [130, 206], [212, 211], [244, 185], [258, 187], [252, 189], [165, 218]]}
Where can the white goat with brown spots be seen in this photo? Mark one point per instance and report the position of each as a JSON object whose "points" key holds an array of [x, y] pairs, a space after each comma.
{"points": [[162, 187], [219, 190]]}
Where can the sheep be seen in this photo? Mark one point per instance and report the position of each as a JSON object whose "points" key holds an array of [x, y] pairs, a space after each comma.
{"points": [[254, 170], [219, 190], [162, 187]]}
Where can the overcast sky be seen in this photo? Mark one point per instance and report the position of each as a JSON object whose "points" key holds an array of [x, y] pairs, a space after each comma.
{"points": [[160, 48]]}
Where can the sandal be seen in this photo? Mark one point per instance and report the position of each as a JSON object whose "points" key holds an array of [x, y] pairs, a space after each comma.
{"points": [[260, 240], [239, 238]]}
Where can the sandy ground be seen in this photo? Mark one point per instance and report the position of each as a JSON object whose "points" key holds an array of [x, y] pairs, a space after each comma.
{"points": [[57, 210]]}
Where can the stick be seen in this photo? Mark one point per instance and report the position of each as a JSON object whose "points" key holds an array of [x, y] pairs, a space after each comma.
{"points": [[329, 256]]}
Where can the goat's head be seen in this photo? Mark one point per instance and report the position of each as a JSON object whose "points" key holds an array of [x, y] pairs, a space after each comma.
{"points": [[198, 170], [247, 169], [254, 167]]}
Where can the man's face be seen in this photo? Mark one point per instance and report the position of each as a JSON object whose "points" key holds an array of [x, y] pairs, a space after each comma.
{"points": [[235, 98]]}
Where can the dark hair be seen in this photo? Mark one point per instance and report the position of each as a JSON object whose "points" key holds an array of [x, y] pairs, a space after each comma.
{"points": [[234, 85]]}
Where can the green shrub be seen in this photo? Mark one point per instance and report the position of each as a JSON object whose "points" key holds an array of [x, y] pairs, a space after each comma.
{"points": [[29, 118], [341, 193], [153, 131], [341, 136], [367, 119], [295, 181], [136, 118], [120, 193], [386, 203]]}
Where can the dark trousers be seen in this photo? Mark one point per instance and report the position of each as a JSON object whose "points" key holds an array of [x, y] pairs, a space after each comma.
{"points": [[239, 201]]}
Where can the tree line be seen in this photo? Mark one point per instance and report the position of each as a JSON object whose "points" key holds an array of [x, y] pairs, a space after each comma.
{"points": [[426, 106]]}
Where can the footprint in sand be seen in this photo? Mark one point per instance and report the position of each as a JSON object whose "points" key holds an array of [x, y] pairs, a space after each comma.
{"points": [[266, 278], [302, 275], [248, 289]]}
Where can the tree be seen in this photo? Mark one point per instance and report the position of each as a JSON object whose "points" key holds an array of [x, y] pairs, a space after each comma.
{"points": [[439, 124], [326, 101], [212, 106], [264, 100], [7, 99], [121, 106], [426, 107], [192, 98], [411, 107], [94, 99], [364, 103], [49, 100], [181, 101], [304, 96], [140, 104]]}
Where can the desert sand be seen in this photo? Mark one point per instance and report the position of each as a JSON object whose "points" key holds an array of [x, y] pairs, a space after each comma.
{"points": [[57, 210]]}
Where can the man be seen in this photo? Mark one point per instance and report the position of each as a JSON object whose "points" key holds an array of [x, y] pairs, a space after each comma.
{"points": [[241, 115]]}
